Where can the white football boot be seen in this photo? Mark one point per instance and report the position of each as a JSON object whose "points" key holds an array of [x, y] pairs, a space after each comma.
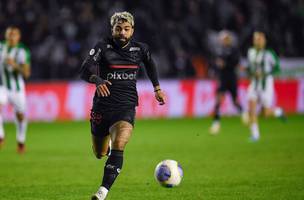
{"points": [[215, 127], [101, 194]]}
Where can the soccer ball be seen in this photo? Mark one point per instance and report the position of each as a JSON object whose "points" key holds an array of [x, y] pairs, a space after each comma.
{"points": [[168, 173]]}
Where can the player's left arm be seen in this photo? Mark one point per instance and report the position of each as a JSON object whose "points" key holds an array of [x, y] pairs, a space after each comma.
{"points": [[275, 62], [152, 74], [249, 67], [22, 63]]}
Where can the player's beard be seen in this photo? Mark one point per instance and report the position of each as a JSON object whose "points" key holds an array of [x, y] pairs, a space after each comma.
{"points": [[121, 41]]}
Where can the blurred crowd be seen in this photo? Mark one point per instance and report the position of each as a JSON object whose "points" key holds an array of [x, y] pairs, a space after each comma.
{"points": [[59, 33]]}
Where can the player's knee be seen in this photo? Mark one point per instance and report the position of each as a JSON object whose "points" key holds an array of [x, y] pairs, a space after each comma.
{"points": [[20, 116], [100, 155], [122, 135], [251, 112], [120, 144], [267, 113]]}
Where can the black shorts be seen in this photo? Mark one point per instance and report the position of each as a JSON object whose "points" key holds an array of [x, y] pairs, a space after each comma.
{"points": [[228, 86], [102, 121]]}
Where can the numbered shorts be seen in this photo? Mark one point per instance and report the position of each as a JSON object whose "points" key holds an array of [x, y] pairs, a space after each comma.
{"points": [[228, 86], [101, 122], [265, 95], [17, 100]]}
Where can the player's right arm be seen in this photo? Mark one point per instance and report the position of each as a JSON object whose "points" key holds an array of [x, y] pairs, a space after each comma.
{"points": [[87, 71], [248, 66]]}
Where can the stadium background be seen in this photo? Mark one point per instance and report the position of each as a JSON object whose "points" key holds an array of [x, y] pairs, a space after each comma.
{"points": [[182, 35], [59, 163]]}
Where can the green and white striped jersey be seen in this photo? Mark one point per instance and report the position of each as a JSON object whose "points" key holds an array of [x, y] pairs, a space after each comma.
{"points": [[13, 80], [266, 61]]}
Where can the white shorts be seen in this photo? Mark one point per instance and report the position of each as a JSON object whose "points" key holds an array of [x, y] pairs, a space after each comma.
{"points": [[3, 96], [263, 95], [17, 100]]}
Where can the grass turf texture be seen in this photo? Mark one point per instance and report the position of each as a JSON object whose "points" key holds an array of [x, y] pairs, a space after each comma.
{"points": [[59, 163]]}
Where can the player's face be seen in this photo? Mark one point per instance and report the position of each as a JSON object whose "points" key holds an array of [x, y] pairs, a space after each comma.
{"points": [[259, 40], [226, 40], [12, 36], [122, 31]]}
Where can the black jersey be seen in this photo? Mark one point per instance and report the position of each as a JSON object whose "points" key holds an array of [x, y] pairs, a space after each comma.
{"points": [[119, 66], [231, 58]]}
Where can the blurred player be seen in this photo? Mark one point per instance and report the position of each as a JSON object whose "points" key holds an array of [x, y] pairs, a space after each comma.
{"points": [[118, 60], [3, 101], [263, 64], [226, 62], [14, 67]]}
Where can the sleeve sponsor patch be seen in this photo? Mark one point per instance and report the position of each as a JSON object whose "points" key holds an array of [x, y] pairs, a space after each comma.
{"points": [[97, 55], [92, 51], [134, 49]]}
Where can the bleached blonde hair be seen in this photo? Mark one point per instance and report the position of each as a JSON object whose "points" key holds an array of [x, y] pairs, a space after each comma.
{"points": [[118, 16]]}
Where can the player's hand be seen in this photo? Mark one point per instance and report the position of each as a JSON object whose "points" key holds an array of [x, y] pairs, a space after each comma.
{"points": [[102, 88], [12, 63], [160, 97], [258, 74]]}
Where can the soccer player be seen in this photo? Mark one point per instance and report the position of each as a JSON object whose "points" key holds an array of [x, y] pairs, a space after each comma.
{"points": [[263, 64], [226, 62], [14, 67], [3, 101], [112, 65]]}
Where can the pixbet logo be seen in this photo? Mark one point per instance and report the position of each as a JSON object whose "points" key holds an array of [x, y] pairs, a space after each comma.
{"points": [[121, 76]]}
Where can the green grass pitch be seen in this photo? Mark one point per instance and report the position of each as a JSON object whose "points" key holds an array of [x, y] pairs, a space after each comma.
{"points": [[59, 164]]}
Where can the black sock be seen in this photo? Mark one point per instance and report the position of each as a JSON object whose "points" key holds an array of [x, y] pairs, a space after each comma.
{"points": [[237, 104], [217, 112], [239, 107], [112, 168]]}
